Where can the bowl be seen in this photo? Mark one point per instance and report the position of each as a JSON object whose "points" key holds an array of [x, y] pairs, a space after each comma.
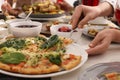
{"points": [[54, 29], [25, 28], [15, 20], [3, 32]]}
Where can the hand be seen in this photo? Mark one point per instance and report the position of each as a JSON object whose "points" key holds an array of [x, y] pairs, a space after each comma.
{"points": [[101, 42], [65, 6], [6, 7], [88, 12]]}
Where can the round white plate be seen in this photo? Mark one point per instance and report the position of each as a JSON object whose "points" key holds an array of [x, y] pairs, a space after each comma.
{"points": [[95, 27], [73, 48], [97, 71]]}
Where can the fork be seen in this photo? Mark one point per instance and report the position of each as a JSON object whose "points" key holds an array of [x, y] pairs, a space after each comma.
{"points": [[73, 31]]}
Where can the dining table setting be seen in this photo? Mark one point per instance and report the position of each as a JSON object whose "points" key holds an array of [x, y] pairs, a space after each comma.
{"points": [[54, 30]]}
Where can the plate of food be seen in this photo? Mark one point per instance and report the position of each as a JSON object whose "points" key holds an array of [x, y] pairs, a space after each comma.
{"points": [[92, 30], [102, 71], [43, 9], [38, 57]]}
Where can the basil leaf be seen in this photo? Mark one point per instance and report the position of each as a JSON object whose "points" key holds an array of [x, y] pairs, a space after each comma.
{"points": [[14, 43], [51, 42], [54, 58], [41, 38], [12, 58]]}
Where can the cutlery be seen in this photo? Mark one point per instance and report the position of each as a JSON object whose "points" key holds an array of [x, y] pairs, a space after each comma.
{"points": [[14, 4], [76, 28], [73, 30], [97, 24], [26, 18]]}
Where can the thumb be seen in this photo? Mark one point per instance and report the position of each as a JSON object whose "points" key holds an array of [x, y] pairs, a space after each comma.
{"points": [[96, 41]]}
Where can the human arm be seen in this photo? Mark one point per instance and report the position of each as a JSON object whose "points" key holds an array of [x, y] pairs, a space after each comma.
{"points": [[89, 13], [102, 41], [7, 8], [65, 6]]}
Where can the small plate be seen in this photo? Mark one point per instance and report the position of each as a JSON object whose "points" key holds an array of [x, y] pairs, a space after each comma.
{"points": [[96, 71], [92, 30]]}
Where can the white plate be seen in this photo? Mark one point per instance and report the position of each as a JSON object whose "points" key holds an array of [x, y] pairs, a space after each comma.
{"points": [[73, 48], [97, 71], [99, 20], [95, 27]]}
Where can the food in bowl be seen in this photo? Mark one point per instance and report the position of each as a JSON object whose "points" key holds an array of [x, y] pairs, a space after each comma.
{"points": [[25, 28], [57, 29], [64, 29], [92, 32]]}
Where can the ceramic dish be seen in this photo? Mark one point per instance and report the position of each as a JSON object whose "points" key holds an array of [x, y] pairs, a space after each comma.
{"points": [[73, 48], [92, 30], [96, 72]]}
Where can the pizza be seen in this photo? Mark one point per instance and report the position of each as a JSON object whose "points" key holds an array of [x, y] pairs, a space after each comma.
{"points": [[37, 55], [112, 76]]}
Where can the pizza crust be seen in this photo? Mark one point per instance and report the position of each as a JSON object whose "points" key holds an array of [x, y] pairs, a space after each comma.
{"points": [[72, 63], [5, 67]]}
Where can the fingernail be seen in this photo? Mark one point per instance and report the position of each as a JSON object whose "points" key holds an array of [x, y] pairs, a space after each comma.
{"points": [[91, 45]]}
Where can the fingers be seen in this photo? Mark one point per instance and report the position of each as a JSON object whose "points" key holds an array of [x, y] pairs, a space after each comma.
{"points": [[98, 49], [84, 21], [76, 15], [99, 46], [96, 40]]}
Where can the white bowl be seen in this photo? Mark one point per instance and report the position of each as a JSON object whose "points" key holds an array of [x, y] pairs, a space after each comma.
{"points": [[54, 29], [3, 32], [15, 20], [25, 31], [75, 35]]}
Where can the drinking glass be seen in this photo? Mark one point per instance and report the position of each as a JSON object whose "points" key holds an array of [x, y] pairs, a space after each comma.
{"points": [[58, 1], [117, 11], [90, 2]]}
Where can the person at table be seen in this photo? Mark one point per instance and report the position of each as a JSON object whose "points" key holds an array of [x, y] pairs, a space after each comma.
{"points": [[7, 6], [67, 7], [103, 39]]}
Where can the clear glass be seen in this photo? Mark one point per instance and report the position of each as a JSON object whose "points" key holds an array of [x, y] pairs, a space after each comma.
{"points": [[117, 11]]}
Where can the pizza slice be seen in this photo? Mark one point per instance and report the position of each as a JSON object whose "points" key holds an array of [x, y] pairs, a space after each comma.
{"points": [[111, 76], [70, 61]]}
